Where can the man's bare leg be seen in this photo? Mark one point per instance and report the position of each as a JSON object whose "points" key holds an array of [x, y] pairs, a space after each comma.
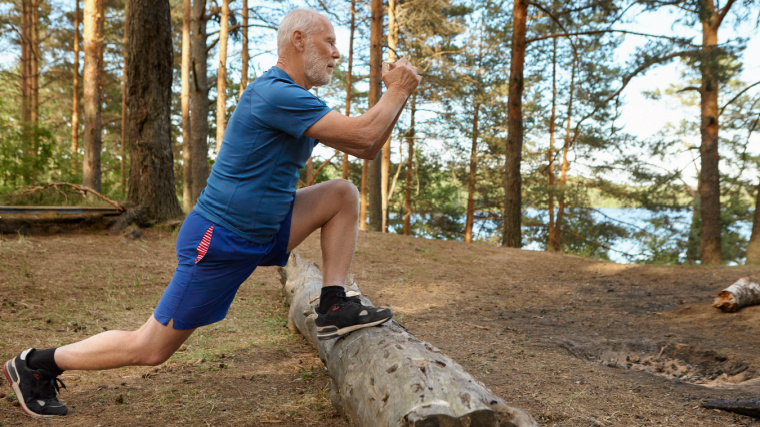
{"points": [[35, 384], [332, 206], [150, 345]]}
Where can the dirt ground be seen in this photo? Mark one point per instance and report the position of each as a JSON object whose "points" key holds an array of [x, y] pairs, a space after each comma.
{"points": [[571, 341]]}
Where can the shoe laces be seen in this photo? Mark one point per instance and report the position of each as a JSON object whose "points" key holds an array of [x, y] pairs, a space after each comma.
{"points": [[51, 386]]}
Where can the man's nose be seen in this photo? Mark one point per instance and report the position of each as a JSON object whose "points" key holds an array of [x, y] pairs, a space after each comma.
{"points": [[336, 53]]}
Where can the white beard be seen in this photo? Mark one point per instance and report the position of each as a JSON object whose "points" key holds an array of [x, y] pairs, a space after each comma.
{"points": [[316, 68]]}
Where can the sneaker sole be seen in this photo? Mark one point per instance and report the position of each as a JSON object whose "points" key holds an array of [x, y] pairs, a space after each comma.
{"points": [[328, 332], [9, 369]]}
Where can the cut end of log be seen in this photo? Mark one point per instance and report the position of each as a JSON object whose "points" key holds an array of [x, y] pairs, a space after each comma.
{"points": [[743, 293], [725, 302]]}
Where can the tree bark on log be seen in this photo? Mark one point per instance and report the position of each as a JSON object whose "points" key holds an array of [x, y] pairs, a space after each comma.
{"points": [[384, 376], [746, 291]]}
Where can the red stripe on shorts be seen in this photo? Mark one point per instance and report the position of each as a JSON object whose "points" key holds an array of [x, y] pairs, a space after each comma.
{"points": [[203, 245]]}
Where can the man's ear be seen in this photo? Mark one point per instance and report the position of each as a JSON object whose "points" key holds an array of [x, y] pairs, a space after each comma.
{"points": [[298, 39]]}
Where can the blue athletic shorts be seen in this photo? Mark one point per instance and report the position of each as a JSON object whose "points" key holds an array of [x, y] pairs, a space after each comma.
{"points": [[213, 263]]}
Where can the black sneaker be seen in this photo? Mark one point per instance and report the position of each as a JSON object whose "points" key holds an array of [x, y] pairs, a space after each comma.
{"points": [[348, 316], [35, 389]]}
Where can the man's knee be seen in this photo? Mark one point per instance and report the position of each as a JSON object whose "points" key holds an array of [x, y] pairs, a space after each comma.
{"points": [[145, 354], [347, 190], [155, 358]]}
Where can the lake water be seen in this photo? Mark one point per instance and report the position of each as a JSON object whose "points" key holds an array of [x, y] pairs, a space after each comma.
{"points": [[631, 219]]}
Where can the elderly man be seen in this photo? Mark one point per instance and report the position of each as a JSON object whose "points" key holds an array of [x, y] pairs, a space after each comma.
{"points": [[250, 214]]}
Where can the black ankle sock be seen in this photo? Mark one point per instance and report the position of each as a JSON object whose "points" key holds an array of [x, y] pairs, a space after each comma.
{"points": [[331, 295], [43, 359]]}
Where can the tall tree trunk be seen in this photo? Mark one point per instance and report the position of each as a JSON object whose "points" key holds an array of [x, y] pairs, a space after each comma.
{"points": [[309, 171], [124, 105], [91, 79], [75, 96], [753, 248], [553, 244], [199, 104], [34, 75], [709, 188], [221, 76], [364, 201], [26, 70], [375, 79], [385, 162], [149, 69], [692, 242], [565, 165], [187, 160], [410, 134], [512, 179], [349, 77], [472, 178], [245, 54]]}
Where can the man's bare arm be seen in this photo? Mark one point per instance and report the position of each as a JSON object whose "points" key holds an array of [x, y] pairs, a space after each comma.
{"points": [[364, 136]]}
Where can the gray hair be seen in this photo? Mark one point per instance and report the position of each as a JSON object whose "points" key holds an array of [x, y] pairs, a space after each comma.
{"points": [[305, 20]]}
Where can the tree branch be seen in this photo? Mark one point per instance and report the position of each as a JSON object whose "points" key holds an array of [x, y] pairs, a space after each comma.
{"points": [[688, 88], [723, 12], [577, 9], [238, 26], [737, 96], [584, 33], [82, 189], [627, 79], [319, 169], [211, 46]]}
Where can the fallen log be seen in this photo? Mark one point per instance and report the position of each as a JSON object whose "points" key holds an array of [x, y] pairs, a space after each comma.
{"points": [[744, 292], [384, 376], [749, 406], [53, 219]]}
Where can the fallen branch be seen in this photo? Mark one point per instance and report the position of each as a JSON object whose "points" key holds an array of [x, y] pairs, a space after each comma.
{"points": [[384, 376], [82, 189], [743, 293]]}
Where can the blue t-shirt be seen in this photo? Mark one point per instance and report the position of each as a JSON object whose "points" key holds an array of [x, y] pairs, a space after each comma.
{"points": [[253, 180]]}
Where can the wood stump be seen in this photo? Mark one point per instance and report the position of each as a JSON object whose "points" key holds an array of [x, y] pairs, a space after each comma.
{"points": [[384, 376]]}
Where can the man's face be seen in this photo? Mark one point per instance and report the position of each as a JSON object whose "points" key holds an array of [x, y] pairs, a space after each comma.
{"points": [[320, 55]]}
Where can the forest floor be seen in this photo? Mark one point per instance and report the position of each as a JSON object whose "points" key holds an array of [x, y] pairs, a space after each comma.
{"points": [[573, 342]]}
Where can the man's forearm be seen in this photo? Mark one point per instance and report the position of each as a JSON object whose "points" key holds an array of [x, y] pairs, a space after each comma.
{"points": [[387, 133], [391, 97], [365, 135]]}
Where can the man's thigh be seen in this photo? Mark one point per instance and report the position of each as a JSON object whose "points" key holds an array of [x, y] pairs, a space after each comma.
{"points": [[315, 205]]}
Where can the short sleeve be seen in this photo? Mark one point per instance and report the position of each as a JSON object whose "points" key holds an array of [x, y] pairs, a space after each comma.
{"points": [[287, 107]]}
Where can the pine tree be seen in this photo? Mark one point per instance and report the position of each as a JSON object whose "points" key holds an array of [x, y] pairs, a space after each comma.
{"points": [[92, 100], [221, 75], [374, 169], [187, 159], [149, 73]]}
